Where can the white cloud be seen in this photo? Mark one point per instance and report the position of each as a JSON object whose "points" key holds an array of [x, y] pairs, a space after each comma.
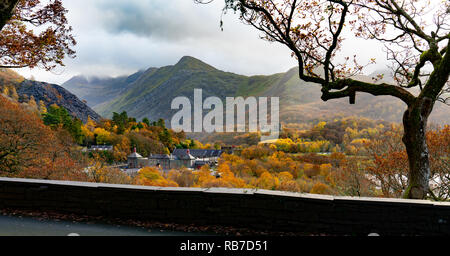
{"points": [[122, 36]]}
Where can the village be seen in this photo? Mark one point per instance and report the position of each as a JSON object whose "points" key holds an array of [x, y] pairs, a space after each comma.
{"points": [[191, 159], [188, 158]]}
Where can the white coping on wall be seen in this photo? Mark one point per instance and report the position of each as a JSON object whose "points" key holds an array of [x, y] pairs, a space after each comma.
{"points": [[293, 194], [228, 191], [182, 189]]}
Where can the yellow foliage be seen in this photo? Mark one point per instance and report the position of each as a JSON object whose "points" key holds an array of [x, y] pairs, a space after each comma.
{"points": [[87, 133], [273, 147], [320, 188], [325, 169], [267, 181], [290, 185], [97, 172], [320, 125], [103, 136], [204, 177], [150, 176], [228, 177], [285, 176], [122, 149], [42, 107], [183, 177], [307, 166], [5, 91]]}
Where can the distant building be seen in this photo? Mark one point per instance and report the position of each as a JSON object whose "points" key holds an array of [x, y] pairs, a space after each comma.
{"points": [[188, 158], [206, 155], [101, 148], [136, 161], [167, 162]]}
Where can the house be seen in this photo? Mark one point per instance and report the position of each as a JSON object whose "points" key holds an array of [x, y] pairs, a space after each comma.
{"points": [[101, 148], [207, 155], [168, 162], [188, 158], [134, 160]]}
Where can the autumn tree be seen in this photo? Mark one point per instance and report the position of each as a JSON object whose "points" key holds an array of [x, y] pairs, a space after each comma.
{"points": [[21, 46], [389, 159], [439, 144], [22, 136], [100, 173], [30, 149], [415, 34], [184, 177], [149, 176], [351, 179]]}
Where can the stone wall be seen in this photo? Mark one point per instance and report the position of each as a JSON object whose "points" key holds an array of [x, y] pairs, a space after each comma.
{"points": [[256, 209]]}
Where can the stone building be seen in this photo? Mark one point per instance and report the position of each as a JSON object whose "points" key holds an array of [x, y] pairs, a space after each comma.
{"points": [[188, 158], [101, 148], [168, 162], [210, 156], [136, 161]]}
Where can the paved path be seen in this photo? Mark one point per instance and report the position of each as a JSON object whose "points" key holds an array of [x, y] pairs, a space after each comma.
{"points": [[26, 226]]}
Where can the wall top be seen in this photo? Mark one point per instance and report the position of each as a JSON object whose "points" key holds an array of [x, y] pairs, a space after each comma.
{"points": [[231, 191]]}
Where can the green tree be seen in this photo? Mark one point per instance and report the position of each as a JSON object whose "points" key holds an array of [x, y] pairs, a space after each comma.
{"points": [[146, 121], [161, 123], [166, 138], [121, 120], [58, 117]]}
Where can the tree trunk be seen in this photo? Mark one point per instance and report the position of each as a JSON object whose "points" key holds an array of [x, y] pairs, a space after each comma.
{"points": [[414, 138], [6, 11]]}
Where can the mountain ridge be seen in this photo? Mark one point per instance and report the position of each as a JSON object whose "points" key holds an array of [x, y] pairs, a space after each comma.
{"points": [[54, 94], [23, 89], [150, 93]]}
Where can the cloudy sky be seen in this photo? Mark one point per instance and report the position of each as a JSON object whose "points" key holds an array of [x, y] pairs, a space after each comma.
{"points": [[118, 37]]}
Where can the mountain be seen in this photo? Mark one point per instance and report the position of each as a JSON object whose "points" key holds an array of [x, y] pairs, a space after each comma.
{"points": [[49, 94], [97, 90], [55, 94], [152, 93], [149, 94]]}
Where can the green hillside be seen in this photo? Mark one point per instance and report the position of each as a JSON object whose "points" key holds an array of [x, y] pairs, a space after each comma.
{"points": [[149, 94]]}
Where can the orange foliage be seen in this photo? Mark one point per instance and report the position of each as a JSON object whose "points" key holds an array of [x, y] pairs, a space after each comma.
{"points": [[320, 188], [184, 177], [267, 181], [47, 47], [150, 176], [30, 149]]}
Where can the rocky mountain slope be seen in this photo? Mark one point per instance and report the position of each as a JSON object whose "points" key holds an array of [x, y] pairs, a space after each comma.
{"points": [[49, 94], [55, 94]]}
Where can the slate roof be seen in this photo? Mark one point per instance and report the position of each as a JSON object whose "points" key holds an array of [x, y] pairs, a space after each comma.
{"points": [[159, 156], [185, 156], [134, 155], [198, 153], [101, 147]]}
